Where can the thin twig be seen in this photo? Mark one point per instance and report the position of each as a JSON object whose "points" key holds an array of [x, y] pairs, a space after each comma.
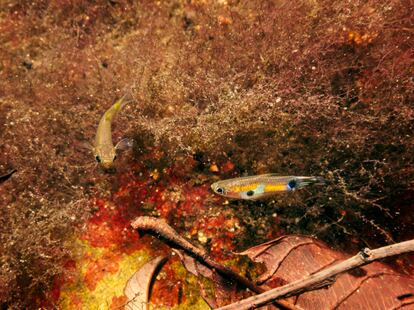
{"points": [[364, 257], [160, 227]]}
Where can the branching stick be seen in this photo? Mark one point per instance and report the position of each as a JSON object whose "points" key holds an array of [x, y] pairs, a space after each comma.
{"points": [[160, 227], [364, 257]]}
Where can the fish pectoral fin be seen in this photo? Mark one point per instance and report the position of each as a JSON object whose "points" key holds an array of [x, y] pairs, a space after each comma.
{"points": [[86, 145], [125, 144]]}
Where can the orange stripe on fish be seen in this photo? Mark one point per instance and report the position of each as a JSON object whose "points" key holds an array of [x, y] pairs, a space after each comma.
{"points": [[275, 188], [243, 188]]}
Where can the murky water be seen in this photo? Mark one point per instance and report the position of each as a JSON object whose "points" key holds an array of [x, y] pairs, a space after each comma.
{"points": [[221, 89]]}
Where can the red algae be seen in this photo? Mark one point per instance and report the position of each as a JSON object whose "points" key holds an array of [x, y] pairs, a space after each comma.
{"points": [[310, 87], [97, 269], [170, 195], [227, 167], [168, 290], [220, 234], [75, 302], [118, 303], [108, 227]]}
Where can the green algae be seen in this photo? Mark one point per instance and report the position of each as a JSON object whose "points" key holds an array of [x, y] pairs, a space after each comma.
{"points": [[310, 87], [111, 285]]}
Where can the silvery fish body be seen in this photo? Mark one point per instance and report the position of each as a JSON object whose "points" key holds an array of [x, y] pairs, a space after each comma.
{"points": [[104, 149], [262, 186]]}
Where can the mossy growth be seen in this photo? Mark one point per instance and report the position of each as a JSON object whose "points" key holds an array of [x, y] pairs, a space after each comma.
{"points": [[291, 87]]}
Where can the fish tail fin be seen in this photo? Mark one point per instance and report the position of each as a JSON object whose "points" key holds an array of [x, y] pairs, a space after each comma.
{"points": [[313, 180], [126, 98], [119, 104]]}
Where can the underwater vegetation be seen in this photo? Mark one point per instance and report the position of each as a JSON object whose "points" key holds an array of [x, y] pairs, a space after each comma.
{"points": [[221, 89]]}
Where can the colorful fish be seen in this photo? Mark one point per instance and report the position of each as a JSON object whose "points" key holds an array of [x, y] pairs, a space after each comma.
{"points": [[104, 150], [262, 186]]}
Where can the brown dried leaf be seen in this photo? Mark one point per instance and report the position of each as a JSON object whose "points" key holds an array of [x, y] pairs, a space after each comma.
{"points": [[194, 267], [225, 292], [289, 258], [137, 289]]}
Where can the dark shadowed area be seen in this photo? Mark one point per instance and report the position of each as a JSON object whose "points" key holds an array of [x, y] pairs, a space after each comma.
{"points": [[221, 88]]}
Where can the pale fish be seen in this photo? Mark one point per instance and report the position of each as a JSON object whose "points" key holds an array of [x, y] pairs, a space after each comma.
{"points": [[104, 149], [262, 186]]}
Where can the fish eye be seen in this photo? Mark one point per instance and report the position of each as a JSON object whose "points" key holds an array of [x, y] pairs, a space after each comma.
{"points": [[220, 190], [98, 159], [250, 193]]}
